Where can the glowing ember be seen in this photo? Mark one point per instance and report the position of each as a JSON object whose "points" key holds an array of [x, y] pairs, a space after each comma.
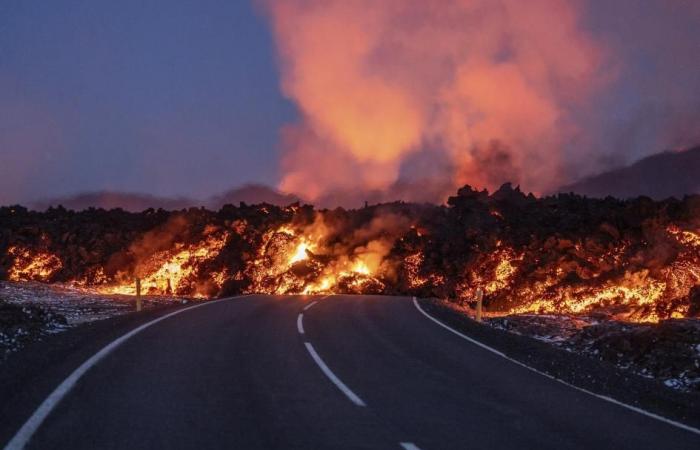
{"points": [[300, 261], [170, 272], [361, 268], [685, 237], [504, 271], [635, 296], [320, 288], [413, 266], [32, 264], [635, 302], [300, 253], [580, 278]]}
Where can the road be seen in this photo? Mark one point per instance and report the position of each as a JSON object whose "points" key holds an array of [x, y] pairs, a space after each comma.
{"points": [[354, 372]]}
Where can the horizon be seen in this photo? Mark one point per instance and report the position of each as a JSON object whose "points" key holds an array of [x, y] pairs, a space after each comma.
{"points": [[256, 193]]}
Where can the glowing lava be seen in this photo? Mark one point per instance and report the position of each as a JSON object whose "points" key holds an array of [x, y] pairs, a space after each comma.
{"points": [[34, 265], [637, 296], [171, 271], [300, 261], [300, 253], [360, 267]]}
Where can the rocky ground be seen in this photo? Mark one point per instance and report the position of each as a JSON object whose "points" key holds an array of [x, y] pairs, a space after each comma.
{"points": [[31, 311], [668, 352], [20, 324]]}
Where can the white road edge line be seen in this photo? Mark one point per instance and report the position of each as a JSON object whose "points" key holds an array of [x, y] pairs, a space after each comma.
{"points": [[586, 391], [300, 325], [310, 305], [22, 437], [327, 371], [409, 446]]}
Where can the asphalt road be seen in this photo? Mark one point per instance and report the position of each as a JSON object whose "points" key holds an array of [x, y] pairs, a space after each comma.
{"points": [[352, 373]]}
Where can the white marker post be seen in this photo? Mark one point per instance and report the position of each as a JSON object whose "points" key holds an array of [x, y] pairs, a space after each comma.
{"points": [[138, 294], [479, 303]]}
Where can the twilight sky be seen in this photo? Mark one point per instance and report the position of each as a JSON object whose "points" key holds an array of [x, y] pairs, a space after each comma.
{"points": [[175, 97]]}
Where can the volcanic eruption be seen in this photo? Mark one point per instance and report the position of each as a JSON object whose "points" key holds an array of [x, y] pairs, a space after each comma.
{"points": [[635, 260], [413, 99]]}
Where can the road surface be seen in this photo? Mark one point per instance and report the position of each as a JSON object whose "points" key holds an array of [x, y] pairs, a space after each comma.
{"points": [[340, 372]]}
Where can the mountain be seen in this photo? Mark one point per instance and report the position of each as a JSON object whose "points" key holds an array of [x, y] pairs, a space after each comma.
{"points": [[110, 199], [660, 176], [249, 193]]}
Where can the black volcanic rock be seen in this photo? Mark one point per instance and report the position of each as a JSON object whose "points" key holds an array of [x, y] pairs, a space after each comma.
{"points": [[660, 176]]}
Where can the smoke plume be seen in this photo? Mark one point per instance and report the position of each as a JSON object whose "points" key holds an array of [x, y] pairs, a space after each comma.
{"points": [[488, 88]]}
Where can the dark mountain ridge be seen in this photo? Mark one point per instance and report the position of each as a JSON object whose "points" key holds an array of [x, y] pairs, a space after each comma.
{"points": [[136, 202], [660, 176]]}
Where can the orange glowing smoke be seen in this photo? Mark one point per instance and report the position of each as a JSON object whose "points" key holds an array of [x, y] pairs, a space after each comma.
{"points": [[486, 84], [34, 265]]}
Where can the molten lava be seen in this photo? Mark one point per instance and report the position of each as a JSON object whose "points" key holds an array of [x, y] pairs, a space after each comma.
{"points": [[638, 296], [300, 261], [171, 271], [32, 265], [633, 260]]}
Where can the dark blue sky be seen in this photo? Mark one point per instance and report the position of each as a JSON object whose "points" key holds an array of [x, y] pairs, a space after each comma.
{"points": [[167, 97]]}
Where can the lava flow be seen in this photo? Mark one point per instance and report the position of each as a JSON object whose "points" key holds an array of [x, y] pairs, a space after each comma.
{"points": [[291, 262], [173, 271], [32, 264], [635, 260]]}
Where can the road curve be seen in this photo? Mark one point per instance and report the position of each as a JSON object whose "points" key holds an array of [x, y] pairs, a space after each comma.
{"points": [[280, 372]]}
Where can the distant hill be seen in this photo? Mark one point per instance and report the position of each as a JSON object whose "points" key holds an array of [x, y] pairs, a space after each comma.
{"points": [[249, 193], [660, 176], [252, 194], [110, 200]]}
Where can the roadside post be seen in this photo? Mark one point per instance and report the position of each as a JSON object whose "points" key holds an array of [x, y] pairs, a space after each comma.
{"points": [[479, 303], [138, 294]]}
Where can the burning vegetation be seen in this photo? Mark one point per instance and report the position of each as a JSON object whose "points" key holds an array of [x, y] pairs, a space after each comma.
{"points": [[635, 260]]}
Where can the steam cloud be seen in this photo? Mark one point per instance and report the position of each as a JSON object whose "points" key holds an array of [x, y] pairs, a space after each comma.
{"points": [[410, 99], [486, 88]]}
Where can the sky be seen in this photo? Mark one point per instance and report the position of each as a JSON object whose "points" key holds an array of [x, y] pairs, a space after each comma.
{"points": [[167, 97], [190, 98]]}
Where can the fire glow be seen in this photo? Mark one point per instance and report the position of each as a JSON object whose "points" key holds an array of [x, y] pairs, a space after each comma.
{"points": [[633, 296], [169, 272], [298, 262], [32, 265], [641, 269], [414, 72]]}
